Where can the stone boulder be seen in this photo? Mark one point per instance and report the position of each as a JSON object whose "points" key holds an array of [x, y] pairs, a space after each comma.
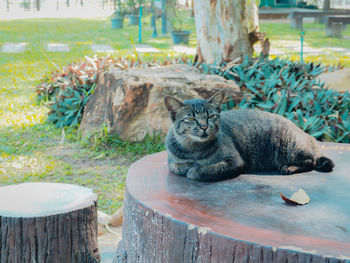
{"points": [[338, 80], [130, 102]]}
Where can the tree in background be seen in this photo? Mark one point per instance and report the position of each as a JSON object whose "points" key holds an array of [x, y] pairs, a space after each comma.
{"points": [[225, 29], [327, 4]]}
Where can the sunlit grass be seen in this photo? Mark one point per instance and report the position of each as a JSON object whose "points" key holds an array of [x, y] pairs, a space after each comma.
{"points": [[20, 168], [19, 112], [281, 34], [38, 167], [324, 59], [314, 34]]}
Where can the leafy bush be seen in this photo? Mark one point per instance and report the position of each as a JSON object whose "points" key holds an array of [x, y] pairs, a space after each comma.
{"points": [[280, 86], [68, 90], [290, 89]]}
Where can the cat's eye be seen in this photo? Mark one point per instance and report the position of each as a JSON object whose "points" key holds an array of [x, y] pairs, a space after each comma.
{"points": [[190, 119], [211, 116]]}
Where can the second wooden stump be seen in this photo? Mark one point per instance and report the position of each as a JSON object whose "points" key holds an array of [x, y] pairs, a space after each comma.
{"points": [[47, 222]]}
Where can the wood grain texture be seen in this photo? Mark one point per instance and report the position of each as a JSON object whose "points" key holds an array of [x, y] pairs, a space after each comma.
{"points": [[169, 219]]}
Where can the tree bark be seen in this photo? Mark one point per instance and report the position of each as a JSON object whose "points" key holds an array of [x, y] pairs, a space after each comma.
{"points": [[327, 4], [252, 15], [222, 28], [44, 222], [170, 9]]}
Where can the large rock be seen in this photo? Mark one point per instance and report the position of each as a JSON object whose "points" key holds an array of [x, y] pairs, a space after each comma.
{"points": [[338, 80], [130, 102]]}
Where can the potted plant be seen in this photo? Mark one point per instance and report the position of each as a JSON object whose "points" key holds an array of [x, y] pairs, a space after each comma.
{"points": [[178, 34], [301, 4], [117, 19], [134, 6]]}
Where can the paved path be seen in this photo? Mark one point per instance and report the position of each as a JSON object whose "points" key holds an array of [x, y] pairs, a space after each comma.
{"points": [[290, 47], [100, 48], [182, 49], [57, 47], [283, 47], [13, 47], [142, 48]]}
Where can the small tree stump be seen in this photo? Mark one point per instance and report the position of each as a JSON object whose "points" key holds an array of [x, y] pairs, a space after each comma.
{"points": [[48, 222], [336, 29], [168, 218]]}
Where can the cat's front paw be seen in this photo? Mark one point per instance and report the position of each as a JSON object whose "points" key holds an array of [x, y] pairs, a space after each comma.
{"points": [[180, 168], [285, 170], [175, 168], [194, 174]]}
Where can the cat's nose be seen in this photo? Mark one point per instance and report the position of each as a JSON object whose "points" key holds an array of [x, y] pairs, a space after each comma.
{"points": [[204, 127]]}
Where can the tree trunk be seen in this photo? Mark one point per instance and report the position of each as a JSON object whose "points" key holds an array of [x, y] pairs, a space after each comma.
{"points": [[252, 15], [222, 29], [170, 8], [38, 5], [46, 222], [327, 4]]}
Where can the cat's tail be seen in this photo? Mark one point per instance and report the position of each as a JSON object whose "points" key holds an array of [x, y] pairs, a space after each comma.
{"points": [[324, 164]]}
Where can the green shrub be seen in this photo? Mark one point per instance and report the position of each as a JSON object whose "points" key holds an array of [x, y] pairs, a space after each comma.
{"points": [[280, 86], [67, 91], [290, 89]]}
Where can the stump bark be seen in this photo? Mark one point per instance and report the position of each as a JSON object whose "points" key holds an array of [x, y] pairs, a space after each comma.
{"points": [[46, 222], [168, 218]]}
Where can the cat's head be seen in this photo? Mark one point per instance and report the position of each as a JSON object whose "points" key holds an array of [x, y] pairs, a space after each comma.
{"points": [[196, 119]]}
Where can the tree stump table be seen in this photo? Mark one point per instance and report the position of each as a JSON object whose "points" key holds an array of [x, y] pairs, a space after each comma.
{"points": [[48, 222], [168, 218]]}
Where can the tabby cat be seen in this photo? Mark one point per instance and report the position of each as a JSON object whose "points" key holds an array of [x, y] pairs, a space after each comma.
{"points": [[206, 145]]}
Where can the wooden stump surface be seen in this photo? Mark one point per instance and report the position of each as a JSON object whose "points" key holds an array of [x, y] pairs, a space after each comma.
{"points": [[48, 222], [168, 218]]}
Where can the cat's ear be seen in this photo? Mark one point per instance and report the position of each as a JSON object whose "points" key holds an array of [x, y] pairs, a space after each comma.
{"points": [[217, 99], [172, 105]]}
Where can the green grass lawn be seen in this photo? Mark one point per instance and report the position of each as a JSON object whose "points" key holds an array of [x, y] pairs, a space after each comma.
{"points": [[33, 150], [314, 37]]}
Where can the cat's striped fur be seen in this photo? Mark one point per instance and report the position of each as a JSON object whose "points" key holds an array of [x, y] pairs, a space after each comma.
{"points": [[206, 145]]}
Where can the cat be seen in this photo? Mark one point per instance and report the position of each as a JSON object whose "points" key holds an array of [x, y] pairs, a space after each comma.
{"points": [[205, 144]]}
